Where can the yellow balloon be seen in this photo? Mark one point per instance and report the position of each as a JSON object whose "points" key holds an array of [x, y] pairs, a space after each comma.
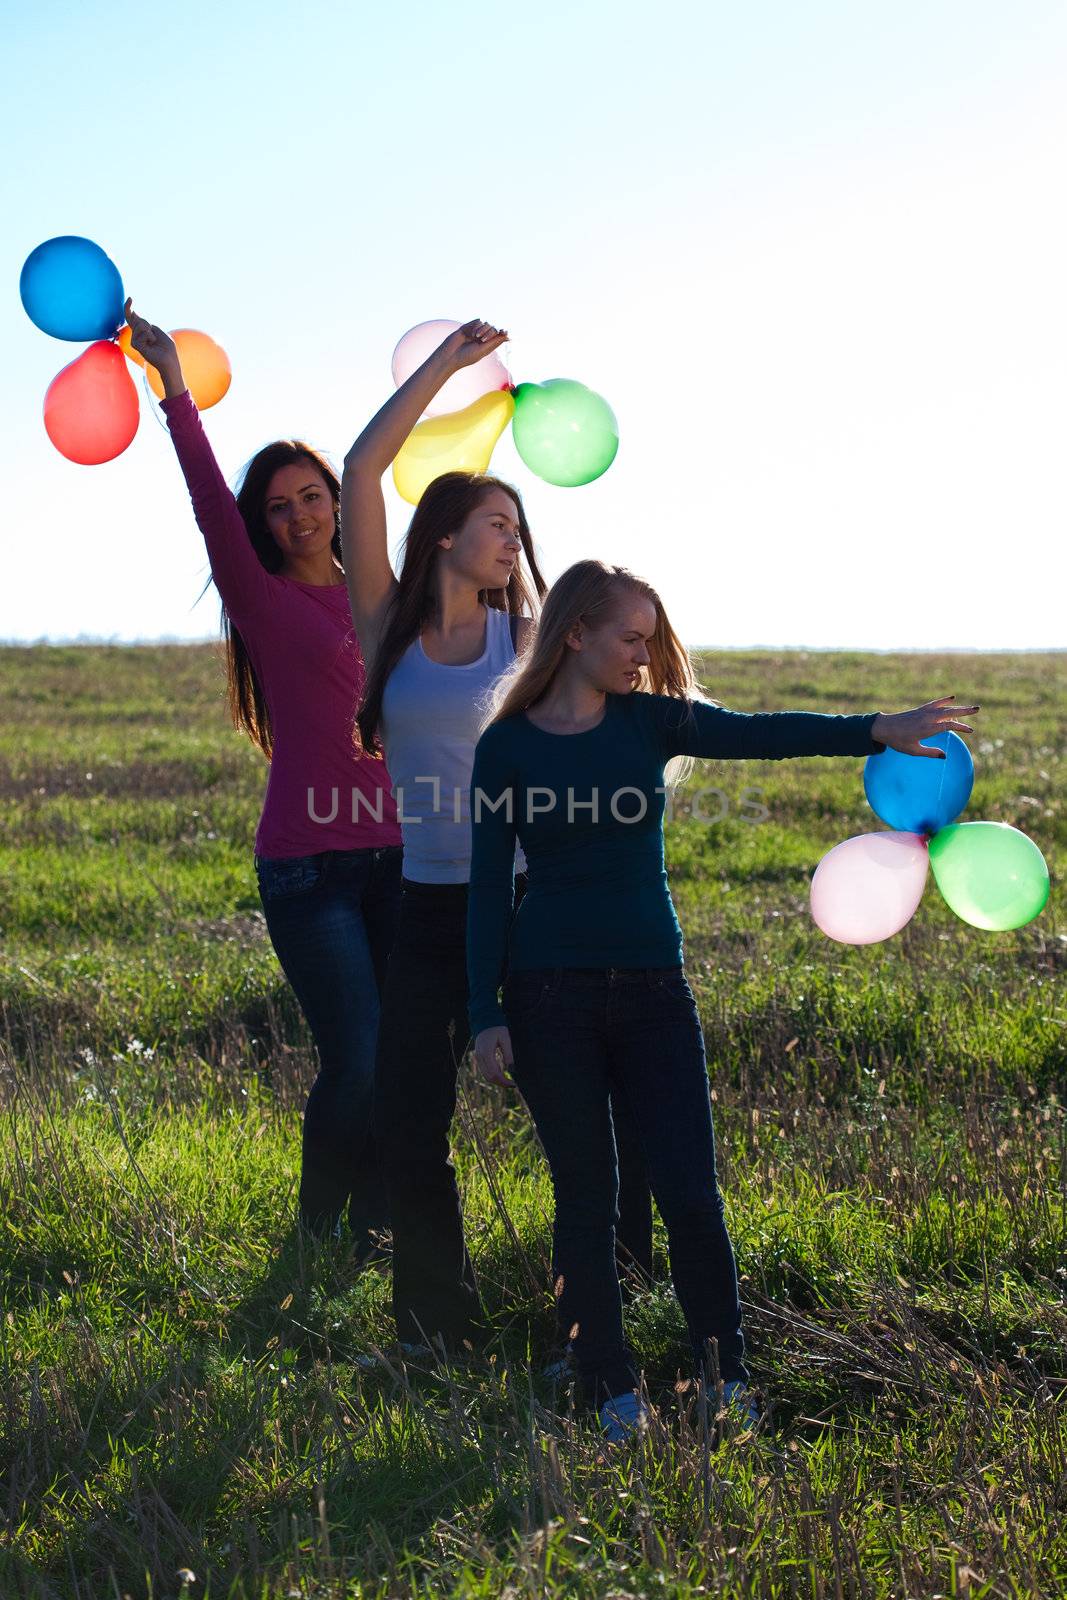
{"points": [[462, 441]]}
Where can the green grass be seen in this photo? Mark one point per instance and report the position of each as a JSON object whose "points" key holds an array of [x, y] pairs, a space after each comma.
{"points": [[179, 1388]]}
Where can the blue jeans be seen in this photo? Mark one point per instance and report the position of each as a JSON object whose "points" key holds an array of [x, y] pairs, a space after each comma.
{"points": [[580, 1035], [332, 919]]}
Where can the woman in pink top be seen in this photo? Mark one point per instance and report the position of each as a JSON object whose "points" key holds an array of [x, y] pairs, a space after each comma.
{"points": [[328, 846]]}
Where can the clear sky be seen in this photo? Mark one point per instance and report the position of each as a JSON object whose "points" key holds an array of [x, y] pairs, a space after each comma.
{"points": [[814, 252]]}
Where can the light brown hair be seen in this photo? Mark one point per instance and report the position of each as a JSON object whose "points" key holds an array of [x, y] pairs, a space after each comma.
{"points": [[443, 509]]}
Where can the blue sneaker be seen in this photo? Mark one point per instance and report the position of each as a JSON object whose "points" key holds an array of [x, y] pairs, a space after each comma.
{"points": [[737, 1397], [624, 1416], [561, 1368]]}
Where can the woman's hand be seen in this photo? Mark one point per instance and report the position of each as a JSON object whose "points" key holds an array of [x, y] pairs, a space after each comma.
{"points": [[904, 729], [492, 1052], [470, 343], [157, 348]]}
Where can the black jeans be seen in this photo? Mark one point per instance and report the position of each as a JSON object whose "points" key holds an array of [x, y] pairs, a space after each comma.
{"points": [[332, 919], [422, 1038], [580, 1036]]}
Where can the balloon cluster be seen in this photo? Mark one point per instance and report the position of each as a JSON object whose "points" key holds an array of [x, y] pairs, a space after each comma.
{"points": [[71, 289], [991, 874], [564, 432]]}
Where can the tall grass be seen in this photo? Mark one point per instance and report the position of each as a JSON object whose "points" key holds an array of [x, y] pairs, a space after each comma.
{"points": [[180, 1389]]}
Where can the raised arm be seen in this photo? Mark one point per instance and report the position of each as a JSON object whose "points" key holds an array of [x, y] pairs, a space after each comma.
{"points": [[371, 581], [691, 728], [240, 577]]}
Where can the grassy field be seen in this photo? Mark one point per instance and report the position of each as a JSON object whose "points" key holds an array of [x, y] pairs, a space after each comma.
{"points": [[181, 1412]]}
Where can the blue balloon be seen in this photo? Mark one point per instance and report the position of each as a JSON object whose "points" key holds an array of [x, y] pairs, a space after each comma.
{"points": [[72, 290], [914, 794]]}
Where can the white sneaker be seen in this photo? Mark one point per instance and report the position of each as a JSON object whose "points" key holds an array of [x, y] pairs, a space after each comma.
{"points": [[379, 1360], [624, 1416], [737, 1397]]}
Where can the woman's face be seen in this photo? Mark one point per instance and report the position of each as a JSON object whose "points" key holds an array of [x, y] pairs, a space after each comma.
{"points": [[611, 654], [299, 510], [487, 547]]}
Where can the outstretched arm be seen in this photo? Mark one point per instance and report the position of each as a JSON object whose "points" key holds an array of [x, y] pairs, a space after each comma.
{"points": [[692, 728], [241, 579], [371, 582]]}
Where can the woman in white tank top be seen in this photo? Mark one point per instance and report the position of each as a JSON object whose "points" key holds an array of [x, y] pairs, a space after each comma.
{"points": [[435, 640]]}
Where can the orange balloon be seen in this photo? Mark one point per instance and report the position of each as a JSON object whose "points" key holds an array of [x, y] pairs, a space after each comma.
{"points": [[125, 335], [90, 409], [205, 367]]}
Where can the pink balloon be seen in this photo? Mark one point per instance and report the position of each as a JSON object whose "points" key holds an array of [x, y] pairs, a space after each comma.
{"points": [[867, 888], [465, 386]]}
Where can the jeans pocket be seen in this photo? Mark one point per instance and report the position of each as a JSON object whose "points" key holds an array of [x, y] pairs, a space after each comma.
{"points": [[673, 984], [288, 877], [524, 993]]}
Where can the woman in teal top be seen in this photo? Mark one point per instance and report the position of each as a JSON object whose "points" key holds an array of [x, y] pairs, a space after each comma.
{"points": [[596, 1000]]}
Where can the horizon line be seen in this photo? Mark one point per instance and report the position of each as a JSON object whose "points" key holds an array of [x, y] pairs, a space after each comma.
{"points": [[89, 641]]}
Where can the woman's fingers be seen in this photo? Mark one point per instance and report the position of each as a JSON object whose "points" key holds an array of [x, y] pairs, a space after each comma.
{"points": [[141, 331], [941, 706], [501, 1061], [482, 331], [492, 1056]]}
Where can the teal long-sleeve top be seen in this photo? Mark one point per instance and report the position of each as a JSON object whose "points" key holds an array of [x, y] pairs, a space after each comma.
{"points": [[588, 809]]}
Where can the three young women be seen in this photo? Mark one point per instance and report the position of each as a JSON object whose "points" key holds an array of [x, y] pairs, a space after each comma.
{"points": [[595, 1000], [328, 843]]}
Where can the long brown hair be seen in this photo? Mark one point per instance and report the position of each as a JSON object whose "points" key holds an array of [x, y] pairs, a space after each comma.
{"points": [[443, 509], [588, 592], [247, 702]]}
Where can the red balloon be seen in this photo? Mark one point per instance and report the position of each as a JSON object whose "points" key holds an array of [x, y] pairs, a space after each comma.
{"points": [[91, 410]]}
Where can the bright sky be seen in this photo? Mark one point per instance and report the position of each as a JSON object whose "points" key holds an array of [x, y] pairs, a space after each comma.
{"points": [[815, 256]]}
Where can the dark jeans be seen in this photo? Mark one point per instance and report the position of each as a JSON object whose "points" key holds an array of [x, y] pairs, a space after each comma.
{"points": [[332, 920], [578, 1037], [422, 1039]]}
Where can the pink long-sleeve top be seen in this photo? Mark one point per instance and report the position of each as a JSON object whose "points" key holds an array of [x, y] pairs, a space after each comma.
{"points": [[321, 793]]}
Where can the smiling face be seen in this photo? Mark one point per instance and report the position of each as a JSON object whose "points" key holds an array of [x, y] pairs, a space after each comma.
{"points": [[611, 653], [485, 550], [299, 511]]}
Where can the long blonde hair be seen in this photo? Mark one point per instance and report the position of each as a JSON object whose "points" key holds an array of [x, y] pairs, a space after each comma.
{"points": [[588, 592]]}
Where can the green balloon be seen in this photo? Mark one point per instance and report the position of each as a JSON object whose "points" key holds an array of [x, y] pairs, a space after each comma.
{"points": [[564, 432], [992, 875]]}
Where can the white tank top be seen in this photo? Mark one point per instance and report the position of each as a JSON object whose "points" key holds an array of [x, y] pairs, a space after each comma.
{"points": [[430, 721]]}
